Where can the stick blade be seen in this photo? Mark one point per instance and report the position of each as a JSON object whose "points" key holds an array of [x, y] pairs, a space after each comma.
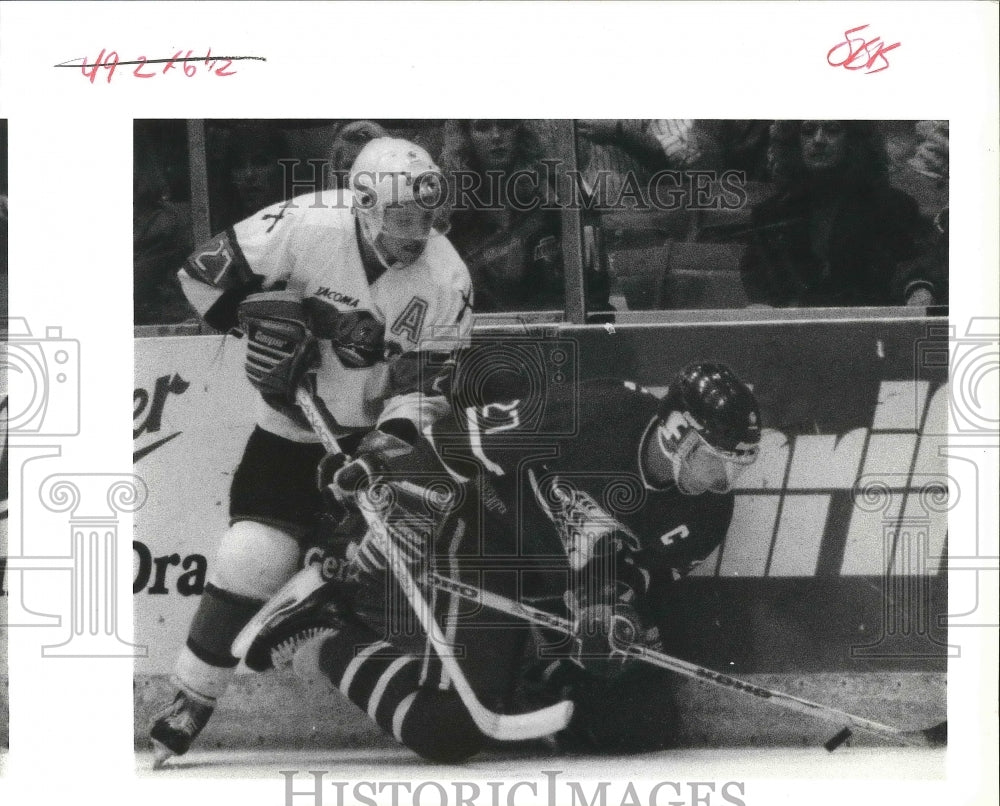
{"points": [[533, 725], [937, 735]]}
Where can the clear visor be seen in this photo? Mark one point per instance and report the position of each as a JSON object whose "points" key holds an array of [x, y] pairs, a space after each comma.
{"points": [[399, 233], [409, 222], [700, 467]]}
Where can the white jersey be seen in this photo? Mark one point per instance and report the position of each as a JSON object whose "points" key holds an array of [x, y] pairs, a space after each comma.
{"points": [[309, 246]]}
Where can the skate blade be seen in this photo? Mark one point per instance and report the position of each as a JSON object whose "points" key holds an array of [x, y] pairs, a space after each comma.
{"points": [[160, 754]]}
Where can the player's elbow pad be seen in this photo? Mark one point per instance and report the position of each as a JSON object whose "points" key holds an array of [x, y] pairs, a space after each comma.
{"points": [[224, 313]]}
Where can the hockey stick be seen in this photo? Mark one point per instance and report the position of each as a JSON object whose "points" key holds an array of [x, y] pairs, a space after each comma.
{"points": [[503, 727], [935, 736], [319, 419]]}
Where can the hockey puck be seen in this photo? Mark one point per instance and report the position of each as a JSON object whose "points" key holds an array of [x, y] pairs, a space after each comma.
{"points": [[838, 740]]}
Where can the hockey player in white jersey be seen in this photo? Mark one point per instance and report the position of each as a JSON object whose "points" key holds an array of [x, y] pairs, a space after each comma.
{"points": [[347, 290]]}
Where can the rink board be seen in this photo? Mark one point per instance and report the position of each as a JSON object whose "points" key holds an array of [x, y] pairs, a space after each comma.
{"points": [[845, 510]]}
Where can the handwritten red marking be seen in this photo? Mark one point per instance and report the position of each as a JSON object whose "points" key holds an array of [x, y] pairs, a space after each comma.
{"points": [[172, 64], [91, 73], [137, 72], [222, 71], [862, 54], [143, 66], [108, 62]]}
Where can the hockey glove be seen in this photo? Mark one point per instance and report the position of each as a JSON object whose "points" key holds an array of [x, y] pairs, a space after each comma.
{"points": [[369, 464], [280, 348], [606, 625]]}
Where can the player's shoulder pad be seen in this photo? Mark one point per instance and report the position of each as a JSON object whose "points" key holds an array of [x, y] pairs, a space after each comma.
{"points": [[327, 208]]}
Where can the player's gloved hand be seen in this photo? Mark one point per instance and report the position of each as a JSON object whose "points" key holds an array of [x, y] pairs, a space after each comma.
{"points": [[607, 624], [368, 466], [280, 347]]}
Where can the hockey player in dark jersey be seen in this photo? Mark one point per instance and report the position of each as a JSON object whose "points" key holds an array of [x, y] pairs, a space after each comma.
{"points": [[594, 501]]}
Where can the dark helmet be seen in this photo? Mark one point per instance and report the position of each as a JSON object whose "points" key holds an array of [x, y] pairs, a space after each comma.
{"points": [[719, 405]]}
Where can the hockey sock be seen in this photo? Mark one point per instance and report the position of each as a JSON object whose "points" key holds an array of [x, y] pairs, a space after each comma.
{"points": [[207, 666], [386, 683]]}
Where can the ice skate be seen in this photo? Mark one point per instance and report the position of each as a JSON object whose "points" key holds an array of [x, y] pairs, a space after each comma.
{"points": [[305, 608], [176, 726]]}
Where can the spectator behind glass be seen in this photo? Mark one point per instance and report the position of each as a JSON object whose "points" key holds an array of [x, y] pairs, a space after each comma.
{"points": [[161, 239], [245, 174], [347, 143], [918, 161], [718, 145], [511, 247], [928, 175], [835, 233], [615, 158]]}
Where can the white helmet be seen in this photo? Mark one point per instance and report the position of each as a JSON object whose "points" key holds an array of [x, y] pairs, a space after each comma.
{"points": [[399, 199]]}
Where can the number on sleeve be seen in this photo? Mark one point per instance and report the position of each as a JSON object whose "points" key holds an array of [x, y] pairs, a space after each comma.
{"points": [[490, 419]]}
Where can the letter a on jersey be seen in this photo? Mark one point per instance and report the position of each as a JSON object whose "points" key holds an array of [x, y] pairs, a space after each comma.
{"points": [[411, 320]]}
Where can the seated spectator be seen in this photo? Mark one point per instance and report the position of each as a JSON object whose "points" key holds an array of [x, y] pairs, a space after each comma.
{"points": [[918, 161], [835, 233], [718, 145], [347, 143], [161, 239], [616, 160], [928, 175], [245, 172], [511, 247], [611, 151]]}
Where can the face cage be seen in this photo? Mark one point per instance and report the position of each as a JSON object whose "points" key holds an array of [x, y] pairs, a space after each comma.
{"points": [[373, 225], [693, 453]]}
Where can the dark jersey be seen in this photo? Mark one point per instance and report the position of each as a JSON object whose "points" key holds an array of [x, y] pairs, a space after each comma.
{"points": [[563, 475]]}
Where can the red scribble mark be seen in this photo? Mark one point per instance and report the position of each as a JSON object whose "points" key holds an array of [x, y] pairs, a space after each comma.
{"points": [[185, 60], [862, 54]]}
